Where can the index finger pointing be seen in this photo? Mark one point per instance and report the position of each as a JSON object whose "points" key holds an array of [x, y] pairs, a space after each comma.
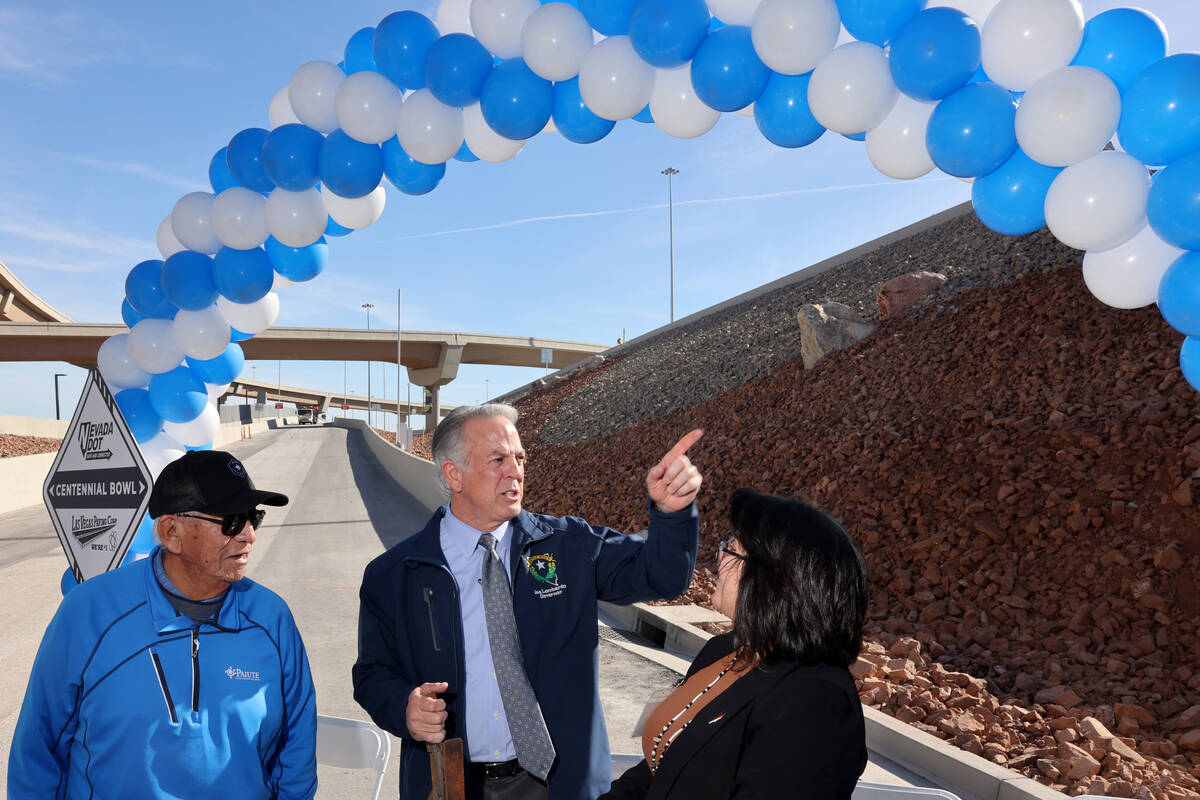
{"points": [[681, 447]]}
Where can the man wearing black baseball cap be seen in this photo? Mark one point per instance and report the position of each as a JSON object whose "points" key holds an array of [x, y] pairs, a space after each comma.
{"points": [[174, 676]]}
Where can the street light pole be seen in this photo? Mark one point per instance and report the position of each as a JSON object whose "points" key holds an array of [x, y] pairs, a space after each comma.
{"points": [[57, 375], [368, 307], [669, 171]]}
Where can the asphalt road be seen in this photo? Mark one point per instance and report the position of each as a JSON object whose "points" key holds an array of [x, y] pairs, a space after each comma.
{"points": [[344, 511]]}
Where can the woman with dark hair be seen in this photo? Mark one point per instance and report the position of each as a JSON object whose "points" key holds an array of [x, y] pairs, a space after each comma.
{"points": [[768, 710]]}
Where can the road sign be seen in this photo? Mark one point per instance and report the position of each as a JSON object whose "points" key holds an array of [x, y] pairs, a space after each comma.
{"points": [[547, 356], [99, 487]]}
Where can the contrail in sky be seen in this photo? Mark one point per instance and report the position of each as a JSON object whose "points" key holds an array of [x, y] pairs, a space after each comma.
{"points": [[609, 212]]}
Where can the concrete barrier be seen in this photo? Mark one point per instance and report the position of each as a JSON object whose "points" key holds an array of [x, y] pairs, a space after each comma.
{"points": [[418, 476], [34, 426], [22, 478]]}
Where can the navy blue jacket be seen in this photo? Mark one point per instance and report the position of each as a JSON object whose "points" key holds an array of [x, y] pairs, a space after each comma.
{"points": [[410, 630]]}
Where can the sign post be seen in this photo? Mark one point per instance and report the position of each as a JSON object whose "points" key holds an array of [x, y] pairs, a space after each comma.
{"points": [[99, 487]]}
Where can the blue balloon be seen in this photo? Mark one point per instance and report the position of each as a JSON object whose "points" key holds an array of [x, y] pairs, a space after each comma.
{"points": [[67, 582], [666, 33], [574, 120], [244, 157], [178, 395], [935, 53], [644, 116], [143, 421], [359, 55], [218, 172], [456, 68], [291, 157], [464, 153], [130, 315], [401, 44], [877, 21], [406, 173], [1179, 294], [143, 542], [714, 24], [1160, 111], [861, 136], [243, 276], [609, 17], [222, 369], [727, 73], [144, 290], [1174, 203], [350, 168], [237, 336], [1189, 360], [515, 102], [972, 132], [205, 446], [1012, 200], [187, 280], [342, 66], [782, 113], [334, 229], [1121, 43], [298, 263]]}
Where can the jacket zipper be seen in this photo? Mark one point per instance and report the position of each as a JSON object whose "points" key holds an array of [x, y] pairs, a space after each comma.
{"points": [[195, 669], [162, 684], [428, 592]]}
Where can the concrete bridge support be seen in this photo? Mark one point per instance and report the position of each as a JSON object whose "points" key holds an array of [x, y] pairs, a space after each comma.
{"points": [[433, 378]]}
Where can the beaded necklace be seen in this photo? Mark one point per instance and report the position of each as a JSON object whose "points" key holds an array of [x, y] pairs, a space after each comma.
{"points": [[655, 752]]}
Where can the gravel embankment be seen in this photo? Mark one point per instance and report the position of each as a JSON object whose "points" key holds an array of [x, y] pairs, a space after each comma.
{"points": [[13, 445]]}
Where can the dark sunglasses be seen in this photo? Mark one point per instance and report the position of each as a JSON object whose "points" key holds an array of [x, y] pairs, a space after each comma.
{"points": [[232, 525], [725, 547]]}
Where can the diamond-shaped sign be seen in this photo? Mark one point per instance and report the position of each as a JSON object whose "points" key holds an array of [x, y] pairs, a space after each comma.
{"points": [[99, 486]]}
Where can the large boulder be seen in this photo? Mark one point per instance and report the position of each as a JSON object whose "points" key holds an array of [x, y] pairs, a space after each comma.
{"points": [[906, 291], [828, 327]]}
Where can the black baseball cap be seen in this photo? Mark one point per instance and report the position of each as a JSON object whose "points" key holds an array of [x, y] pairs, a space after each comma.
{"points": [[208, 481]]}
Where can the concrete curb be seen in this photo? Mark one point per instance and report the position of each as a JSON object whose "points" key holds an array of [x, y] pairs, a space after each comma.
{"points": [[416, 475], [965, 774]]}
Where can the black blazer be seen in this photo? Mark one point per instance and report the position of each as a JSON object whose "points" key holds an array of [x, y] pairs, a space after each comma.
{"points": [[782, 731]]}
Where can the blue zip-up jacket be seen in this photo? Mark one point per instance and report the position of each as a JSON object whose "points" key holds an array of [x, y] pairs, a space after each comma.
{"points": [[129, 699], [410, 630]]}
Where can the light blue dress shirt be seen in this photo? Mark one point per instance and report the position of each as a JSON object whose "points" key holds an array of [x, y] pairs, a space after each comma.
{"points": [[487, 727]]}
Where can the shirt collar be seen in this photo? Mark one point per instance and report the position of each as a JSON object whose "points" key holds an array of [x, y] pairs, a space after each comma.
{"points": [[466, 538]]}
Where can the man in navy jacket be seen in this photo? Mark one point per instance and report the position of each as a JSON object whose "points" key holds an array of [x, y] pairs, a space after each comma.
{"points": [[425, 670]]}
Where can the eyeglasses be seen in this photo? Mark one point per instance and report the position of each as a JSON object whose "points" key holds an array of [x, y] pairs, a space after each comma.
{"points": [[232, 525], [726, 548]]}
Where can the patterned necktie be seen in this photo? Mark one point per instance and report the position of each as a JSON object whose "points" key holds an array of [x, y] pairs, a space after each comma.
{"points": [[535, 751]]}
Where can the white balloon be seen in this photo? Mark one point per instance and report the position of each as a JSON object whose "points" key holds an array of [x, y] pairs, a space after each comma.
{"points": [[216, 390], [168, 243], [1098, 203], [311, 93], [1068, 115], [1023, 40], [614, 81], [676, 108], [356, 212], [160, 451], [555, 40], [454, 16], [977, 10], [239, 218], [429, 130], [191, 222], [485, 142], [202, 334], [792, 36], [253, 317], [498, 23], [896, 146], [152, 347], [281, 282], [1127, 276], [748, 111], [280, 111], [734, 12], [852, 90], [116, 366], [296, 219], [367, 106], [199, 431]]}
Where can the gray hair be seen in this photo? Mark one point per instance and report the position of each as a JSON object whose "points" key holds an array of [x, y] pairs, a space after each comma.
{"points": [[448, 444]]}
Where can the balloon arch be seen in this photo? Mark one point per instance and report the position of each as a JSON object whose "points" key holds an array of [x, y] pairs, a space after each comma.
{"points": [[1020, 96]]}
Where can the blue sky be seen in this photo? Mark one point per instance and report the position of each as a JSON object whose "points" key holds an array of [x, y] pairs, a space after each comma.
{"points": [[114, 110]]}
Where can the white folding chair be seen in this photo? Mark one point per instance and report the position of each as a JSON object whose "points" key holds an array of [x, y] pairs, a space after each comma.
{"points": [[883, 791], [353, 744]]}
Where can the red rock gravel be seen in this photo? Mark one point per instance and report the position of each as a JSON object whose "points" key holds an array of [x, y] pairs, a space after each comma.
{"points": [[1018, 469], [13, 445]]}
